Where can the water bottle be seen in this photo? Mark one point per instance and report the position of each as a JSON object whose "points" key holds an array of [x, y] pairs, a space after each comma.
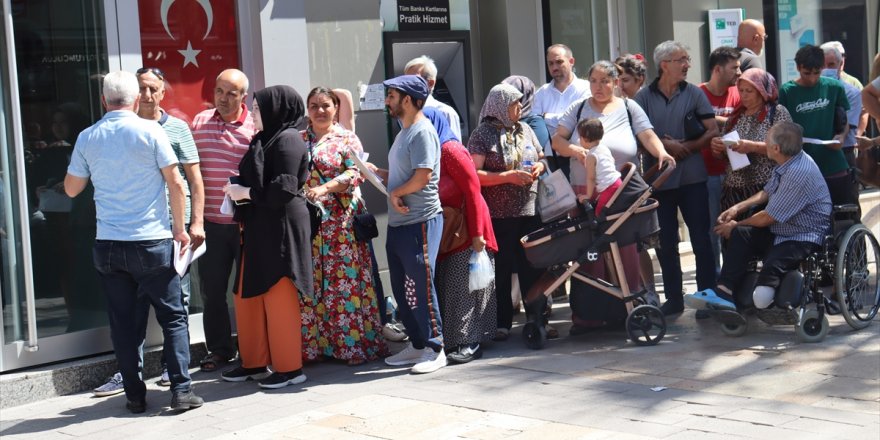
{"points": [[390, 309], [530, 156]]}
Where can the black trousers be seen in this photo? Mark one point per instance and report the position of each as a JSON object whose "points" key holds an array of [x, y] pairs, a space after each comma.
{"points": [[215, 267], [747, 242], [511, 257]]}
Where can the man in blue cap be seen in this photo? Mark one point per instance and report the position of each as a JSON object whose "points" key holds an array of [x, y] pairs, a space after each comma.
{"points": [[415, 223]]}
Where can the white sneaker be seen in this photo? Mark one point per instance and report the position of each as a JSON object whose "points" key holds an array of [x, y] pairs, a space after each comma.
{"points": [[394, 332], [432, 362], [408, 356]]}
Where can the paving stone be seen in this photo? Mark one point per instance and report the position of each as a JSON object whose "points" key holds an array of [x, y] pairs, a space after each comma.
{"points": [[759, 417]]}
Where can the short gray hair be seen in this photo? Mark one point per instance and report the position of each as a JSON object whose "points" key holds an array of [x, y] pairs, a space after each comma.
{"points": [[834, 48], [120, 88], [606, 67], [665, 49], [429, 69], [566, 49], [789, 136]]}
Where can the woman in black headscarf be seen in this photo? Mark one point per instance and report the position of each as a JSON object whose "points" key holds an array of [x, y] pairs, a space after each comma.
{"points": [[276, 250]]}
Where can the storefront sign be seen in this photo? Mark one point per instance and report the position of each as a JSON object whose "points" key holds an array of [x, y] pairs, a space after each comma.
{"points": [[420, 15], [191, 42], [723, 26]]}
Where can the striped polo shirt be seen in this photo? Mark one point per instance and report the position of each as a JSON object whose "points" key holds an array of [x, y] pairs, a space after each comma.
{"points": [[185, 148], [798, 201], [221, 146]]}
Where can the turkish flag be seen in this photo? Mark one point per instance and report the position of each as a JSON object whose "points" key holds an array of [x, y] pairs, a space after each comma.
{"points": [[191, 41]]}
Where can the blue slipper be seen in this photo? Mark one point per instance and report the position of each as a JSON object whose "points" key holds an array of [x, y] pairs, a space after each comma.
{"points": [[708, 299]]}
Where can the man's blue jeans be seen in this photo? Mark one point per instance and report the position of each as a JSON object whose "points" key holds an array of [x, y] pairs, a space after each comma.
{"points": [[693, 201], [130, 270]]}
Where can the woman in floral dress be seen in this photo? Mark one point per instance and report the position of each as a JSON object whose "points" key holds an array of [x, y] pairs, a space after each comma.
{"points": [[343, 320]]}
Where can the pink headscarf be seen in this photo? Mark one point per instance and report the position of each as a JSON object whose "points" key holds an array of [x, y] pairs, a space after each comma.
{"points": [[763, 82]]}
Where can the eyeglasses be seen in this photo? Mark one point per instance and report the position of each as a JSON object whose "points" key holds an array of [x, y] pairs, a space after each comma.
{"points": [[763, 37], [683, 60], [154, 70]]}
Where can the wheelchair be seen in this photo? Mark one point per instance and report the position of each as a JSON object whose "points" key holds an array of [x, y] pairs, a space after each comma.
{"points": [[847, 265]]}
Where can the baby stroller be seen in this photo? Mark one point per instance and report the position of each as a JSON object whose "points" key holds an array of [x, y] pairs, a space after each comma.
{"points": [[629, 217]]}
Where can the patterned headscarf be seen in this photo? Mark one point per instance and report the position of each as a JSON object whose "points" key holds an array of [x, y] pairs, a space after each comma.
{"points": [[526, 87], [497, 103], [763, 82]]}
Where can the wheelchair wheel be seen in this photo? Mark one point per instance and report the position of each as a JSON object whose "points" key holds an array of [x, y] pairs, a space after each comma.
{"points": [[812, 329], [734, 330], [646, 325], [535, 335], [857, 276]]}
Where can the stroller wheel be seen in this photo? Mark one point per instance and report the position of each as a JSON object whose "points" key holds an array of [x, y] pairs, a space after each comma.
{"points": [[535, 335], [646, 325], [734, 330]]}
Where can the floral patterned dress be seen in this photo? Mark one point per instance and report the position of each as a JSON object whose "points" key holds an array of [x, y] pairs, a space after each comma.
{"points": [[342, 322]]}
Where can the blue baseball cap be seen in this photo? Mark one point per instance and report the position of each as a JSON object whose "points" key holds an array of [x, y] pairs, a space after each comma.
{"points": [[413, 85]]}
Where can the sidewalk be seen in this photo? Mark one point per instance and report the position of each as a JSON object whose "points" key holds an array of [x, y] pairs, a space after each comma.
{"points": [[762, 385]]}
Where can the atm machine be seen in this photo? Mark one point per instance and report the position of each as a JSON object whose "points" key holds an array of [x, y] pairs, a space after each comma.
{"points": [[451, 51]]}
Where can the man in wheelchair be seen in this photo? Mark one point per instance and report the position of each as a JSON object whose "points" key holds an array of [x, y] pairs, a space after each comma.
{"points": [[793, 224]]}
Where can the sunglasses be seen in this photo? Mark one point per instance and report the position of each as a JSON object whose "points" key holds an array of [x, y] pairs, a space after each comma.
{"points": [[154, 70]]}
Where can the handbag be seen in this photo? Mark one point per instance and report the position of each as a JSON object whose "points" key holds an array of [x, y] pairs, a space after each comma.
{"points": [[364, 225], [693, 126], [555, 196], [455, 234]]}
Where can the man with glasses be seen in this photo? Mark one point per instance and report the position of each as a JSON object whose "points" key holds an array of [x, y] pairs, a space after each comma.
{"points": [[750, 42], [222, 135], [152, 91], [684, 120], [819, 105]]}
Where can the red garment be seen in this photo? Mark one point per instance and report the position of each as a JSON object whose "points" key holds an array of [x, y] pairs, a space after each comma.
{"points": [[603, 197], [459, 185], [723, 106]]}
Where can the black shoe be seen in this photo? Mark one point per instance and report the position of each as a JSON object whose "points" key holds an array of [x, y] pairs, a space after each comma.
{"points": [[465, 353], [702, 314], [281, 380], [136, 406], [242, 374], [672, 307], [185, 401]]}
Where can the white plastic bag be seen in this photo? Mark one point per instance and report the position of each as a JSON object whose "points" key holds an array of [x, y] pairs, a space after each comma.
{"points": [[481, 272]]}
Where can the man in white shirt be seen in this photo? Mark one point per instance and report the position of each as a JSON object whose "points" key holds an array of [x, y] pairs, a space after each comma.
{"points": [[424, 66], [553, 98]]}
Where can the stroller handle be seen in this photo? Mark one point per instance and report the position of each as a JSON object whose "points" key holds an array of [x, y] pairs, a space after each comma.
{"points": [[655, 177]]}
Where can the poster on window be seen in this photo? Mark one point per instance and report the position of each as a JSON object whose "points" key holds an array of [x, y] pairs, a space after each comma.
{"points": [[799, 25], [191, 42]]}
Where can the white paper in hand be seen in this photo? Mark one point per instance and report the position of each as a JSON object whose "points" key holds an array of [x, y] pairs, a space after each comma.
{"points": [[371, 176], [737, 160], [182, 262], [815, 141]]}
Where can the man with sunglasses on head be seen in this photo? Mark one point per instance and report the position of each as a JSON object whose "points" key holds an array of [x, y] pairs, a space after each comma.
{"points": [[151, 81], [819, 105]]}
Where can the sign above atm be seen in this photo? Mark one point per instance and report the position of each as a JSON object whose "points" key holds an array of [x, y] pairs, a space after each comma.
{"points": [[423, 15]]}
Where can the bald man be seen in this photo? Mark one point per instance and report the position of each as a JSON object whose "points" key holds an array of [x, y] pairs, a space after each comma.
{"points": [[222, 136], [750, 42]]}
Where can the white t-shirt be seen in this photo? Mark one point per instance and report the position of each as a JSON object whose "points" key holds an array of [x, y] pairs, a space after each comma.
{"points": [[606, 171], [552, 103], [619, 137]]}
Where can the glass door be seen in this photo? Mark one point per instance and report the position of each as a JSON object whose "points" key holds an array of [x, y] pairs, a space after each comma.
{"points": [[53, 306]]}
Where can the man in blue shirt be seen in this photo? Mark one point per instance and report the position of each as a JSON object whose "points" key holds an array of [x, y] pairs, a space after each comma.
{"points": [[415, 224], [130, 161], [791, 226]]}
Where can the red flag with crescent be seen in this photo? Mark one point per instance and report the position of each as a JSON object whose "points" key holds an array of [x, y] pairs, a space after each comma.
{"points": [[191, 41]]}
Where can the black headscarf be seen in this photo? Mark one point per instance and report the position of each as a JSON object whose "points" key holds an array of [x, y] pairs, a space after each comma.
{"points": [[281, 108]]}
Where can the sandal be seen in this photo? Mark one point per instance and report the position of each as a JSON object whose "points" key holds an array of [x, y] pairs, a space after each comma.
{"points": [[354, 362], [501, 334], [213, 362]]}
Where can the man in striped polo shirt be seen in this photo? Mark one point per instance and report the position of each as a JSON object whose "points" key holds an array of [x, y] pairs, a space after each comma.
{"points": [[222, 136]]}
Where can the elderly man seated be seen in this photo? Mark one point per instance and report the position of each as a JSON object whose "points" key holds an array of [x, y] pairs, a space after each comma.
{"points": [[791, 226]]}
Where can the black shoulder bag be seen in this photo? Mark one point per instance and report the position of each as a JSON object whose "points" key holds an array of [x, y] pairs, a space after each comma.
{"points": [[364, 225]]}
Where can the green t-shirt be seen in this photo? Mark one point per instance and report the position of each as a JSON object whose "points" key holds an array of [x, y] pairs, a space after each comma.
{"points": [[813, 109], [185, 148]]}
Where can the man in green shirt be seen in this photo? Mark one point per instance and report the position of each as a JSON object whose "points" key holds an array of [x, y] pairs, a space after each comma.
{"points": [[815, 103]]}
